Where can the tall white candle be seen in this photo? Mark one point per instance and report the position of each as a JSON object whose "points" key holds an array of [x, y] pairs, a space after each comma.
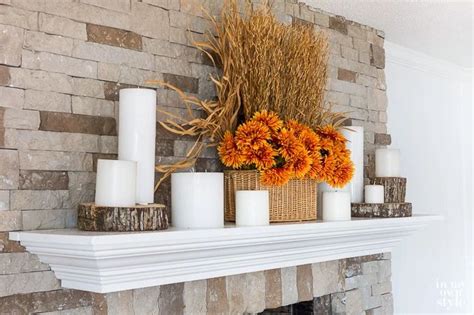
{"points": [[116, 183], [355, 143], [252, 208], [137, 132], [387, 163], [336, 206], [374, 194], [197, 200]]}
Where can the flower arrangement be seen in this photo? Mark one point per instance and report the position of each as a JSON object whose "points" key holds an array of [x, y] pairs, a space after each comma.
{"points": [[266, 69], [281, 151]]}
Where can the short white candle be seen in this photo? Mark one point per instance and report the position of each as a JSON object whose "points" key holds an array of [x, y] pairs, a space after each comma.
{"points": [[336, 206], [252, 208], [197, 200], [387, 163], [116, 183], [374, 194], [136, 141]]}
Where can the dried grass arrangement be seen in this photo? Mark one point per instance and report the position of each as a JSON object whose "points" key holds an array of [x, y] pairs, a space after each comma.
{"points": [[265, 65]]}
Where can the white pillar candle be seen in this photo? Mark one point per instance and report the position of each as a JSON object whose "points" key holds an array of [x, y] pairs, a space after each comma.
{"points": [[137, 132], [355, 143], [116, 183], [252, 208], [197, 200], [374, 194], [336, 206], [323, 187], [387, 163]]}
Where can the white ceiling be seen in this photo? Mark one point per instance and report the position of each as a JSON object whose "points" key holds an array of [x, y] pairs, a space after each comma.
{"points": [[440, 28]]}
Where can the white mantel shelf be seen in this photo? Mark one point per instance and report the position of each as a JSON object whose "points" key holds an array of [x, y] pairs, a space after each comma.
{"points": [[108, 262]]}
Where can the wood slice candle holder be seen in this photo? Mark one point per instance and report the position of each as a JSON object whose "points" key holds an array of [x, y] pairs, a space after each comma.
{"points": [[151, 217], [382, 210], [394, 188]]}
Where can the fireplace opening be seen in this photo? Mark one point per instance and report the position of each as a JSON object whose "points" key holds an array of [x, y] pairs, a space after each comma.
{"points": [[318, 306]]}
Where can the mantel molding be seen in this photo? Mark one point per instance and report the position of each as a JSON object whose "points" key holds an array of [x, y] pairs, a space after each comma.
{"points": [[108, 262]]}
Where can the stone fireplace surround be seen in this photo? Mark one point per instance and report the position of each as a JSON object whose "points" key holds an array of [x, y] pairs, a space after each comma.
{"points": [[61, 65]]}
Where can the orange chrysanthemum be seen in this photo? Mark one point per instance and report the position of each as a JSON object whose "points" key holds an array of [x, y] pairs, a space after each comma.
{"points": [[269, 119], [276, 176], [330, 132], [251, 135], [301, 164], [288, 144], [229, 153], [263, 157]]}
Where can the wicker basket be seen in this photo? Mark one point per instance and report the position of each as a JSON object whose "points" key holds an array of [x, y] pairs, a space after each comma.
{"points": [[295, 201]]}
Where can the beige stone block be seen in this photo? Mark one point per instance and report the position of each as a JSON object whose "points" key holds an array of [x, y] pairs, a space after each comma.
{"points": [[361, 45], [273, 288], [383, 117], [236, 289], [10, 221], [78, 11], [145, 300], [364, 57], [181, 148], [13, 263], [10, 97], [366, 80], [88, 87], [4, 200], [174, 66], [28, 282], [337, 98], [165, 4], [171, 299], [47, 101], [61, 26], [11, 42], [111, 54], [356, 31], [108, 144], [321, 19], [120, 303], [18, 17], [40, 80], [354, 305], [109, 72], [21, 119], [304, 275], [88, 310], [127, 75], [57, 141], [377, 99], [370, 267], [360, 281], [92, 106], [149, 20], [374, 38], [178, 35], [55, 161], [216, 296], [39, 199], [347, 87], [288, 286], [81, 187], [358, 101], [255, 293], [328, 277], [382, 288], [38, 41], [63, 64], [9, 171], [116, 5], [349, 53], [194, 297], [341, 39]]}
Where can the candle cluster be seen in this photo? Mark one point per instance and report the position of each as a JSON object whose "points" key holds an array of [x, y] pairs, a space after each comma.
{"points": [[130, 179]]}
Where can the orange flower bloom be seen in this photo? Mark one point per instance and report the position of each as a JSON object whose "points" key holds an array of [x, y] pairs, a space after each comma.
{"points": [[288, 144], [263, 157], [251, 135], [277, 176], [229, 153], [301, 163], [269, 119]]}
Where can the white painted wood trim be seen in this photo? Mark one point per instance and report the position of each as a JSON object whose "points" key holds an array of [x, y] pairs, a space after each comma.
{"points": [[108, 262]]}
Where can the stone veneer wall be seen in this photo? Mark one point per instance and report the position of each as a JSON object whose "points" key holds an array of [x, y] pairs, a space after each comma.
{"points": [[61, 65]]}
